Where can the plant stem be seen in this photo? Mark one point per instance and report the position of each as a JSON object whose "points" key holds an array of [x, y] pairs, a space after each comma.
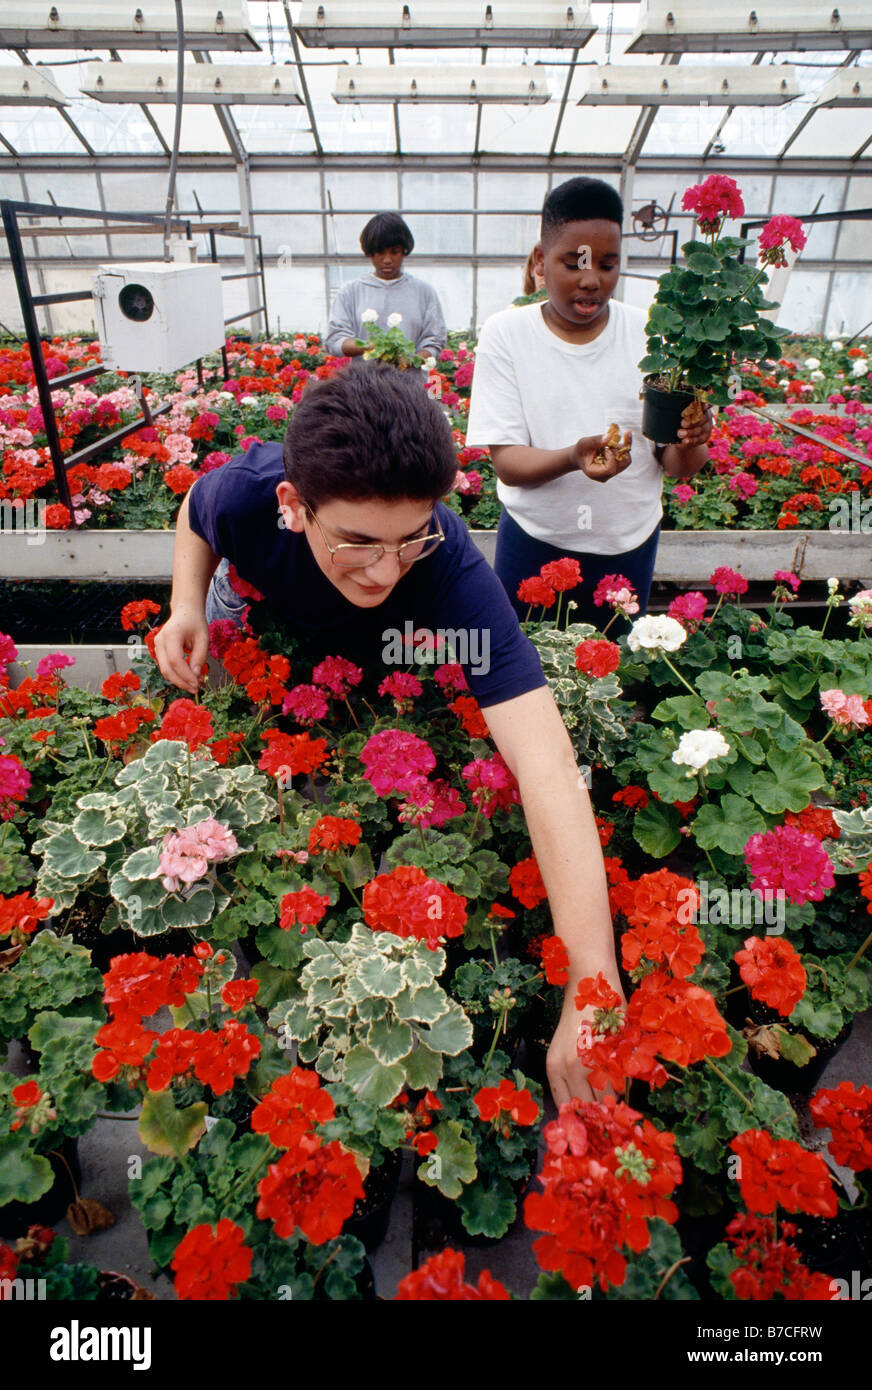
{"points": [[57, 1154], [668, 1275], [858, 954], [493, 1047], [727, 1082], [677, 673], [340, 864]]}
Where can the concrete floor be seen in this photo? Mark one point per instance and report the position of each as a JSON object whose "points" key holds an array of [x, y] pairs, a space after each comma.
{"points": [[106, 1150]]}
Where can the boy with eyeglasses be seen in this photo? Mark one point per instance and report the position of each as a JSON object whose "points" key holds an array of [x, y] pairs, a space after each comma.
{"points": [[342, 531]]}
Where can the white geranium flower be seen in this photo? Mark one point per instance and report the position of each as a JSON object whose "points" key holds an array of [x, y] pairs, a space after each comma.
{"points": [[657, 633], [837, 346], [248, 401], [698, 748], [816, 376], [860, 367], [812, 363], [429, 363], [225, 396], [833, 586], [394, 320], [784, 381], [369, 316]]}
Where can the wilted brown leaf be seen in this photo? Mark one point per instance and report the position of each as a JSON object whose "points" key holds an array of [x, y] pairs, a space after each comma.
{"points": [[86, 1215]]}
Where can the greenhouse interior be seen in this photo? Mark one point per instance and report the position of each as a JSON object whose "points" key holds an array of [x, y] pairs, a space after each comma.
{"points": [[442, 871]]}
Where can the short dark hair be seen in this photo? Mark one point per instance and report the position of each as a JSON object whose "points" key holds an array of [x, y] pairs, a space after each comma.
{"points": [[369, 431], [580, 199], [383, 230]]}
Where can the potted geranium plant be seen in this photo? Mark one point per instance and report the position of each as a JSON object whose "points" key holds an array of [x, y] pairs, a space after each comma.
{"points": [[709, 310], [388, 344]]}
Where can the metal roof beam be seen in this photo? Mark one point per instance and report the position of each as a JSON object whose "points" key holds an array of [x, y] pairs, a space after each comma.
{"points": [[304, 86]]}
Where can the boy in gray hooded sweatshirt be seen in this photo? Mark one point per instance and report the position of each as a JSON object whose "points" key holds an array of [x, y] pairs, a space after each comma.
{"points": [[386, 240]]}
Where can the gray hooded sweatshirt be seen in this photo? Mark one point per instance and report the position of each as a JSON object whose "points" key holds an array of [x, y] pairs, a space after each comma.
{"points": [[417, 301]]}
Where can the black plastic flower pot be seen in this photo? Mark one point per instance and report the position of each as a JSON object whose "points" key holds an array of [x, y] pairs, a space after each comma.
{"points": [[787, 1076], [50, 1208], [371, 1216], [827, 1244], [661, 412], [704, 1214]]}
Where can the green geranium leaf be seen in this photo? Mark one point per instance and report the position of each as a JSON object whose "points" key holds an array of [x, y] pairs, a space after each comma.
{"points": [[452, 1164], [369, 1078], [657, 829], [487, 1210], [788, 782], [728, 825], [423, 1069], [165, 1129], [24, 1175], [451, 1033], [795, 1047], [389, 1041], [98, 828]]}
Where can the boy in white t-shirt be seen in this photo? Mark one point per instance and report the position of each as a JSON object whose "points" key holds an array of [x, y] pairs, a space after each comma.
{"points": [[549, 380]]}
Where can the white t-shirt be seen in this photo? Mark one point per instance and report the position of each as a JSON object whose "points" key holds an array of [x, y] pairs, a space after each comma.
{"points": [[530, 387]]}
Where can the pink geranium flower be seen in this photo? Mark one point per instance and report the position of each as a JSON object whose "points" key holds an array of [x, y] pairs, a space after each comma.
{"points": [[688, 608], [616, 591], [790, 861], [394, 761], [55, 661], [843, 709], [187, 853], [779, 232], [492, 784], [307, 703], [728, 582]]}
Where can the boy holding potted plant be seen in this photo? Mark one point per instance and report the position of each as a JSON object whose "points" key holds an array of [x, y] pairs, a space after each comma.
{"points": [[364, 548], [549, 380]]}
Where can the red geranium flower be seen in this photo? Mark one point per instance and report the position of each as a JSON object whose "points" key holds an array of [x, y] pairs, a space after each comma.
{"points": [[288, 754], [441, 1279], [526, 882], [304, 906], [537, 592], [555, 961], [561, 574], [519, 1105], [780, 1172], [210, 1262], [330, 833], [846, 1110], [770, 1266], [186, 721], [315, 1191], [409, 904], [773, 972], [597, 657], [290, 1108], [134, 614], [237, 993]]}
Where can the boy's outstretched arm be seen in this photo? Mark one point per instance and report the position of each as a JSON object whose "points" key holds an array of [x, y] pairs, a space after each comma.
{"points": [[531, 737], [185, 634]]}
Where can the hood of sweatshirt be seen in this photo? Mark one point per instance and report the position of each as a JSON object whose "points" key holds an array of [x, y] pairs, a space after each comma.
{"points": [[375, 280]]}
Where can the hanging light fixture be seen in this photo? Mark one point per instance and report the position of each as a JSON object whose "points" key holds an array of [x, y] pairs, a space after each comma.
{"points": [[443, 83], [447, 24], [205, 84], [144, 24]]}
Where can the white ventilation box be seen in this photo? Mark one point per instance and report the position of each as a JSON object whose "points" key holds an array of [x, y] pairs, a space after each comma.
{"points": [[156, 316]]}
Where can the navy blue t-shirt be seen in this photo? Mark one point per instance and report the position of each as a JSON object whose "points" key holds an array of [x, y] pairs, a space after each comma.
{"points": [[454, 590]]}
